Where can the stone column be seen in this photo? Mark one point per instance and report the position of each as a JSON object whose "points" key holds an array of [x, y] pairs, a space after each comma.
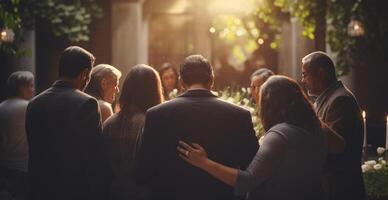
{"points": [[27, 62], [129, 35], [294, 46]]}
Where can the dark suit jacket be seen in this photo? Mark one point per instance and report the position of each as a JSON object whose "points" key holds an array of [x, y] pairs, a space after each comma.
{"points": [[224, 130], [67, 158], [338, 108]]}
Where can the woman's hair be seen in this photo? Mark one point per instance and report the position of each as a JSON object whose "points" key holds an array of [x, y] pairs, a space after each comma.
{"points": [[283, 101], [142, 89], [98, 73], [165, 67]]}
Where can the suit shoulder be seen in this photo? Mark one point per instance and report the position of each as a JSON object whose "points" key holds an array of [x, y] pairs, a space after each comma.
{"points": [[234, 107], [170, 104], [343, 96]]}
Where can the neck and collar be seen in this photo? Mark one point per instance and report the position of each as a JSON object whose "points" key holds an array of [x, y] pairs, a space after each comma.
{"points": [[197, 90], [328, 90], [70, 83]]}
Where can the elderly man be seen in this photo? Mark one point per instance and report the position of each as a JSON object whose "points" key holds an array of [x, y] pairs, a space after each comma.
{"points": [[339, 110], [13, 139]]}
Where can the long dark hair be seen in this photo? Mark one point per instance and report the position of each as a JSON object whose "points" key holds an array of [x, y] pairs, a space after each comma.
{"points": [[283, 101], [142, 89]]}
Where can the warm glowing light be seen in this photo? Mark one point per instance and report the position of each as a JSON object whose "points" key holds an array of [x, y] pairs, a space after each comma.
{"points": [[234, 7], [363, 114], [240, 33], [260, 41], [7, 35], [356, 28], [212, 30], [387, 119]]}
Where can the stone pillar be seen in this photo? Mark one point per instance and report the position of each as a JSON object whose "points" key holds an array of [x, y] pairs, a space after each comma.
{"points": [[129, 35], [294, 46], [27, 62]]}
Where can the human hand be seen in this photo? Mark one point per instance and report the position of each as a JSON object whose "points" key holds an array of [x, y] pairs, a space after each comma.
{"points": [[195, 155]]}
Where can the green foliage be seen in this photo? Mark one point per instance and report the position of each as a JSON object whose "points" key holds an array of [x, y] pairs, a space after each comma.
{"points": [[13, 16], [348, 50], [69, 20]]}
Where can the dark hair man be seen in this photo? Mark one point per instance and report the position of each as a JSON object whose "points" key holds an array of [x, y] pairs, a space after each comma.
{"points": [[67, 159], [339, 110], [196, 116]]}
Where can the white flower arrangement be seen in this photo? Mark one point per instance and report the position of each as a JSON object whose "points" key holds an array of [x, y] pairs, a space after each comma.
{"points": [[376, 176], [242, 98]]}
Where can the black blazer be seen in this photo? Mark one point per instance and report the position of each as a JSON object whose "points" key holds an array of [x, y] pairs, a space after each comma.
{"points": [[224, 130], [67, 159], [338, 108]]}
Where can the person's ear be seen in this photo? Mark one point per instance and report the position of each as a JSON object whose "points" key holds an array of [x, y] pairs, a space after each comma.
{"points": [[322, 74], [103, 83], [210, 84], [183, 85]]}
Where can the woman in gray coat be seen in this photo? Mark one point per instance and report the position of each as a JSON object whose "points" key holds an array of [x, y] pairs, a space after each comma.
{"points": [[289, 163]]}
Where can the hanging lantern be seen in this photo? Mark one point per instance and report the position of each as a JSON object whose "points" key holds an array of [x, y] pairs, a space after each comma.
{"points": [[356, 28], [7, 35]]}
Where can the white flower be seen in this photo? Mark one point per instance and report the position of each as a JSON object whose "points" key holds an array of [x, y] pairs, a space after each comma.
{"points": [[246, 101], [366, 168], [261, 140], [370, 163], [243, 90], [254, 119], [383, 162], [377, 167], [230, 99], [380, 150]]}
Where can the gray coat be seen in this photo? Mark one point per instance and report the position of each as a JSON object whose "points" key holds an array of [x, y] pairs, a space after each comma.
{"points": [[288, 165]]}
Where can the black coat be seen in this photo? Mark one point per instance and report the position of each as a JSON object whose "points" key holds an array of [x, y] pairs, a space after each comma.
{"points": [[67, 159], [338, 108], [223, 129]]}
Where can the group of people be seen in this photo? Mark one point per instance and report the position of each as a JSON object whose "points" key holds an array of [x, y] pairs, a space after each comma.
{"points": [[67, 144]]}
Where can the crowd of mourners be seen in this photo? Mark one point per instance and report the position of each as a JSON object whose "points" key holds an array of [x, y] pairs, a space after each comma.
{"points": [[77, 141]]}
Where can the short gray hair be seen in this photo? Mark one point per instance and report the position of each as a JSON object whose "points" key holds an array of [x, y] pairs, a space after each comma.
{"points": [[16, 81], [97, 74], [320, 60], [264, 73]]}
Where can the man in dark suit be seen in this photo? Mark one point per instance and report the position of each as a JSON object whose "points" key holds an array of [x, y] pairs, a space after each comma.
{"points": [[225, 130], [338, 109], [66, 157]]}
